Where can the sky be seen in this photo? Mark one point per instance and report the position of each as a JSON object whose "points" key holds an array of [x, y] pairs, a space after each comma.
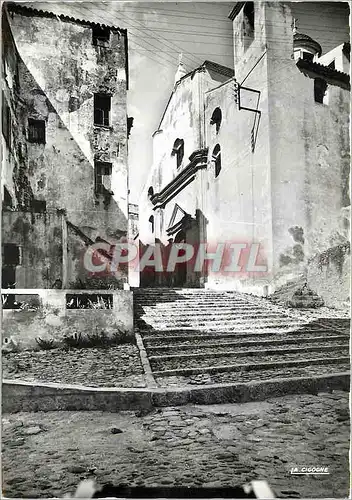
{"points": [[157, 33]]}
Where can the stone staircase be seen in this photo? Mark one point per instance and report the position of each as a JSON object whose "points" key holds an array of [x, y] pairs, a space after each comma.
{"points": [[196, 337]]}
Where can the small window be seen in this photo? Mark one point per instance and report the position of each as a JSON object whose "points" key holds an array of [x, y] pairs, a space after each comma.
{"points": [[216, 118], [102, 177], [248, 13], [11, 254], [178, 151], [38, 206], [151, 222], [216, 156], [307, 56], [150, 191], [36, 131], [101, 36], [332, 64], [73, 104], [320, 87], [6, 121], [102, 106]]}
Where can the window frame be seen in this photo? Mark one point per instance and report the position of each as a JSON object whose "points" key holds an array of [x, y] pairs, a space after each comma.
{"points": [[39, 137], [216, 158], [178, 150], [99, 187], [105, 120], [99, 39]]}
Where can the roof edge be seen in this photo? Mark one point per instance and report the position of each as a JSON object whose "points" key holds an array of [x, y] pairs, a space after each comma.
{"points": [[236, 9], [28, 11]]}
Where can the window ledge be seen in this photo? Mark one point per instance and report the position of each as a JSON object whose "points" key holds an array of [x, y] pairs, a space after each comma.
{"points": [[104, 127]]}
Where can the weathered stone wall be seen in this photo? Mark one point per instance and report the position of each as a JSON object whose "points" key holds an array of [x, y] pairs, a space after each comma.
{"points": [[63, 64], [51, 319], [52, 65], [329, 275], [309, 154], [39, 237]]}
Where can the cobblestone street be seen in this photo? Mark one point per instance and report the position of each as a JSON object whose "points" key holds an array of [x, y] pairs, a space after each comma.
{"points": [[46, 454]]}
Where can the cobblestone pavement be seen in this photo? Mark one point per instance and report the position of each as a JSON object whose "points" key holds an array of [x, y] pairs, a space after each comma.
{"points": [[112, 367], [46, 454]]}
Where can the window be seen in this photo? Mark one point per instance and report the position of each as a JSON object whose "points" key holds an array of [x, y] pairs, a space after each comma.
{"points": [[150, 191], [320, 87], [217, 159], [151, 221], [102, 177], [11, 254], [6, 121], [178, 151], [101, 36], [73, 104], [102, 106], [216, 118], [36, 131], [38, 206], [248, 14], [307, 56]]}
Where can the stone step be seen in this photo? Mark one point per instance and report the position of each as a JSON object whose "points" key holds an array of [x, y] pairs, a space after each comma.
{"points": [[252, 353], [214, 314], [229, 377], [245, 367], [179, 336], [196, 347], [216, 324]]}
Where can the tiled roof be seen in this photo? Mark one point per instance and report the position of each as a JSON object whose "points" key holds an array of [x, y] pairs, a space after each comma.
{"points": [[223, 70], [30, 11], [333, 76]]}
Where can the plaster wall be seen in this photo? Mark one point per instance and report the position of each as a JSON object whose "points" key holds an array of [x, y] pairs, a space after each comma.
{"points": [[238, 205], [63, 65], [51, 320]]}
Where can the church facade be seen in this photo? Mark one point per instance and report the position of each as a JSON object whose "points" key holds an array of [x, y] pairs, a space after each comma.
{"points": [[258, 156]]}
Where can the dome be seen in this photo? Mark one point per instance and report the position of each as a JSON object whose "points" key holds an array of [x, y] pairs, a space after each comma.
{"points": [[306, 43]]}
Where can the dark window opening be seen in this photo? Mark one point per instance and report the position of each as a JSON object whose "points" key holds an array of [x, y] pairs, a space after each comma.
{"points": [[103, 172], [217, 159], [320, 87], [11, 254], [151, 221], [130, 121], [89, 301], [36, 131], [6, 121], [102, 106], [101, 36], [7, 203], [216, 118], [248, 12], [178, 151], [307, 56], [38, 206], [332, 64], [150, 191], [73, 104]]}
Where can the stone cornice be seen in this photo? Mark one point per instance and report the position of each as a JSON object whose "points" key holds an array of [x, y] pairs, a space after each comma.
{"points": [[198, 160]]}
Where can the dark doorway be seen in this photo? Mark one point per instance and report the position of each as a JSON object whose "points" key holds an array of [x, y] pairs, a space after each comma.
{"points": [[180, 273]]}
